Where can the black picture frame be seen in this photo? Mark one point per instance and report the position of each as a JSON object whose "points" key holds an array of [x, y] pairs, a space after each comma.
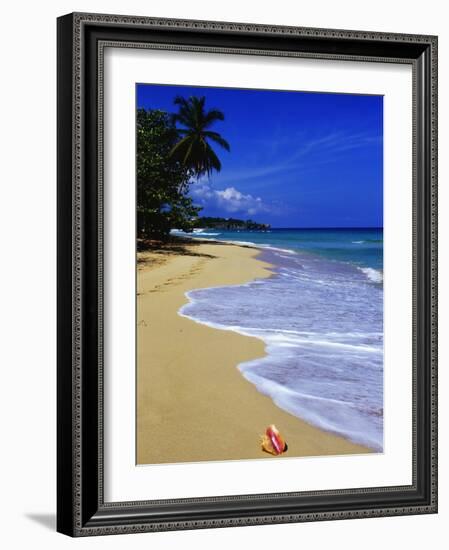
{"points": [[81, 510]]}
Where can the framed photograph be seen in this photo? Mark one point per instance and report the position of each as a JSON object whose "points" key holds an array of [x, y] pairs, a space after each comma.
{"points": [[247, 284]]}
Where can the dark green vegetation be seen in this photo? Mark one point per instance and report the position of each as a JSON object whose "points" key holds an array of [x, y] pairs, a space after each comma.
{"points": [[193, 149], [172, 151], [230, 223], [162, 184]]}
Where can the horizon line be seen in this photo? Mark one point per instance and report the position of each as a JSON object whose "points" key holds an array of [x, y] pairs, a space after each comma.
{"points": [[330, 227]]}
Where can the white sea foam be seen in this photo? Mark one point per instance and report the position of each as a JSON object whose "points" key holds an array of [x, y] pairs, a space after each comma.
{"points": [[374, 275], [289, 338], [323, 333], [196, 233], [254, 245], [200, 234], [276, 249], [341, 418]]}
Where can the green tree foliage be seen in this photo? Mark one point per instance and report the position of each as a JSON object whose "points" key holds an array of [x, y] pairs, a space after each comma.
{"points": [[162, 181], [193, 150], [230, 223]]}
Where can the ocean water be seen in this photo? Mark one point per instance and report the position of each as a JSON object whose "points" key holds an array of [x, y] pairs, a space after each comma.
{"points": [[320, 316]]}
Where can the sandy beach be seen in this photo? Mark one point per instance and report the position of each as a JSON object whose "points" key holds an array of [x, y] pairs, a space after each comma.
{"points": [[193, 404]]}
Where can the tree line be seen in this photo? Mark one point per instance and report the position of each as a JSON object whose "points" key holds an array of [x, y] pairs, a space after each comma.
{"points": [[174, 150]]}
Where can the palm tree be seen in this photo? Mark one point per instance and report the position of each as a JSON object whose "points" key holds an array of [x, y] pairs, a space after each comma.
{"points": [[193, 150]]}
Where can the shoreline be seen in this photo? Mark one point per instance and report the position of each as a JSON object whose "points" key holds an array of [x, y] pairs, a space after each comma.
{"points": [[193, 403]]}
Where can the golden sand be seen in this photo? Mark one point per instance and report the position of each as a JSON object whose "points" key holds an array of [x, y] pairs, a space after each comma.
{"points": [[193, 404]]}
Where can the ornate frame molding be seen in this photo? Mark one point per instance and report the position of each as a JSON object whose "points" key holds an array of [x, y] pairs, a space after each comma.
{"points": [[82, 512]]}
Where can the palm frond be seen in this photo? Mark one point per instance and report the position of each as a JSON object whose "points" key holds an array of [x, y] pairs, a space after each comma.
{"points": [[214, 136], [178, 149], [193, 149], [213, 160]]}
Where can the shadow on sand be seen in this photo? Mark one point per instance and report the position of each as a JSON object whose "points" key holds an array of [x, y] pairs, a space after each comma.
{"points": [[172, 246]]}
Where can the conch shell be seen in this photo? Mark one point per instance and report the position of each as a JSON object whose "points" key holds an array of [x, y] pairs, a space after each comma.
{"points": [[272, 441]]}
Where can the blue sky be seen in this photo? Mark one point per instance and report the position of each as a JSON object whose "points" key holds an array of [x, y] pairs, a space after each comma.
{"points": [[297, 159]]}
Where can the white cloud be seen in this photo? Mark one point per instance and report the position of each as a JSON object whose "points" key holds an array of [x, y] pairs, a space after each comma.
{"points": [[230, 200]]}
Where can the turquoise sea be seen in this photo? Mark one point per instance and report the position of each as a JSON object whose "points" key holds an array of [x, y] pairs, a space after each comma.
{"points": [[321, 318]]}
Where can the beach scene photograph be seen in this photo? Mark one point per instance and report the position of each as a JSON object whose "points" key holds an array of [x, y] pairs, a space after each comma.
{"points": [[259, 274]]}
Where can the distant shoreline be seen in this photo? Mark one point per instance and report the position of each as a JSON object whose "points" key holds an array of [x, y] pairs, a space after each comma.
{"points": [[355, 228]]}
